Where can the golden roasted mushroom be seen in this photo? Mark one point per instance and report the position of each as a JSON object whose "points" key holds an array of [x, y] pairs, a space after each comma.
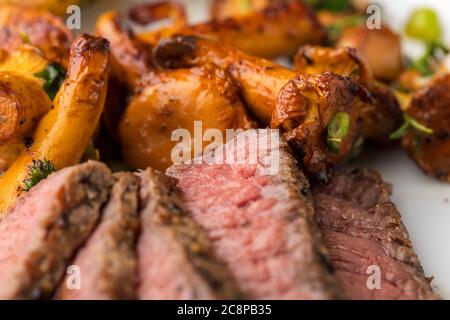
{"points": [[380, 49], [23, 100], [65, 131], [170, 100], [344, 61], [379, 120], [260, 80], [427, 128], [130, 58], [22, 25], [306, 108], [276, 30], [22, 104], [27, 61]]}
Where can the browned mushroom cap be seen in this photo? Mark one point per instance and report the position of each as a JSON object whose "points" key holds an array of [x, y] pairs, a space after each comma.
{"points": [[172, 99], [22, 104], [277, 30], [430, 107], [19, 25], [379, 48], [380, 119], [344, 61], [130, 58], [260, 80], [306, 106]]}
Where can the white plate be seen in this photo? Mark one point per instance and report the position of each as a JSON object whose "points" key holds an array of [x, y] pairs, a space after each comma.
{"points": [[423, 201]]}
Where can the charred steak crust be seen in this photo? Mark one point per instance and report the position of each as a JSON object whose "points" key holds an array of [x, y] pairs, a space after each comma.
{"points": [[261, 225], [107, 262], [188, 269], [361, 228], [42, 231]]}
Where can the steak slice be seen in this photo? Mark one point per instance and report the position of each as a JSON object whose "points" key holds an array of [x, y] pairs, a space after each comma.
{"points": [[259, 219], [176, 260], [107, 262], [43, 230], [364, 234]]}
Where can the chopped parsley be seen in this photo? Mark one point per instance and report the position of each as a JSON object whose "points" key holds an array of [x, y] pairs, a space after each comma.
{"points": [[38, 171], [53, 76]]}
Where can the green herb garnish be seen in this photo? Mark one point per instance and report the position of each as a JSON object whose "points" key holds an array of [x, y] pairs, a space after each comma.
{"points": [[337, 130], [433, 53], [38, 171], [424, 24], [407, 124], [54, 76]]}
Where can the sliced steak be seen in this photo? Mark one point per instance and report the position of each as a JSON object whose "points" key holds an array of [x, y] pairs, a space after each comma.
{"points": [[259, 218], [107, 263], [365, 236], [42, 231], [176, 260]]}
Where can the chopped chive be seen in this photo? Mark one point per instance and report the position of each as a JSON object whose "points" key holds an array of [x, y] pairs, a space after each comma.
{"points": [[407, 124], [337, 130]]}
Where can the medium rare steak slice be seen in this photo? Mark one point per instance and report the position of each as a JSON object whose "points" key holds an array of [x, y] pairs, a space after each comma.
{"points": [[259, 219], [365, 236], [176, 260], [43, 230], [107, 262]]}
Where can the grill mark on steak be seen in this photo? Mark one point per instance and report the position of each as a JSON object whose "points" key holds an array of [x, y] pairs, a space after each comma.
{"points": [[361, 227], [261, 225], [176, 260], [41, 232], [107, 262]]}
